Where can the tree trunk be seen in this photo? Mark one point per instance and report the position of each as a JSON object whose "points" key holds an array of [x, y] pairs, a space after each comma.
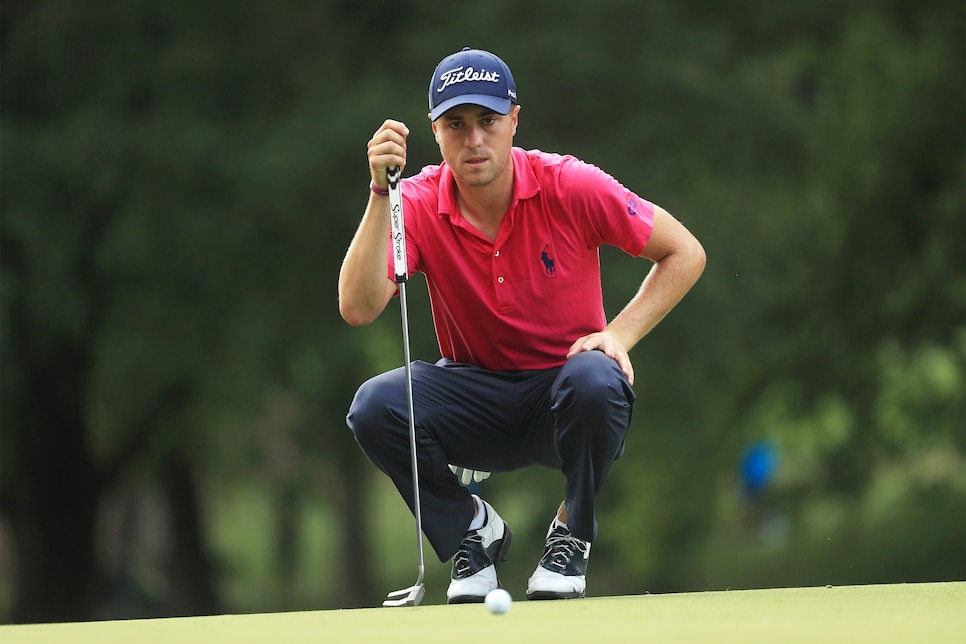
{"points": [[356, 589], [54, 508], [192, 590]]}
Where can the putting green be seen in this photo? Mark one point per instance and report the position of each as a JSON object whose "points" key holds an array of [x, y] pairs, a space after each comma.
{"points": [[887, 613]]}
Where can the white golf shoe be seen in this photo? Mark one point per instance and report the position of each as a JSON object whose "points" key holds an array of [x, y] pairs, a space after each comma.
{"points": [[562, 571], [474, 564]]}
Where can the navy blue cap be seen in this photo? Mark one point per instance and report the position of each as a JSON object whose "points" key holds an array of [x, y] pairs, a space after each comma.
{"points": [[471, 76]]}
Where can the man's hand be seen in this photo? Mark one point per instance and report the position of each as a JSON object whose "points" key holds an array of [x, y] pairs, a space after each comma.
{"points": [[610, 345], [386, 149], [467, 475]]}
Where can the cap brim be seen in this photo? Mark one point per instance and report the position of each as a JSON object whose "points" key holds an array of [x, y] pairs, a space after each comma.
{"points": [[498, 105]]}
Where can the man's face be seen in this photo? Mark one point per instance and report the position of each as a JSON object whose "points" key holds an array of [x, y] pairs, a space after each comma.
{"points": [[475, 142]]}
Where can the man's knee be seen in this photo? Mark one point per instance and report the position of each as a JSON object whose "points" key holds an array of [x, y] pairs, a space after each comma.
{"points": [[594, 379], [370, 414]]}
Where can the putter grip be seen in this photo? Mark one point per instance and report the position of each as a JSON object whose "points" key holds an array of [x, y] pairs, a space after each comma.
{"points": [[401, 269]]}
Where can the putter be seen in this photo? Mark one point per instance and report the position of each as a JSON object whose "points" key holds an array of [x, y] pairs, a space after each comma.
{"points": [[414, 594]]}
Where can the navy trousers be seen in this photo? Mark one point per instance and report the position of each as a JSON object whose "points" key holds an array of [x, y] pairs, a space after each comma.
{"points": [[573, 418]]}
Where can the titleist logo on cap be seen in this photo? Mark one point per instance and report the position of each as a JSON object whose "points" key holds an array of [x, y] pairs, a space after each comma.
{"points": [[458, 75]]}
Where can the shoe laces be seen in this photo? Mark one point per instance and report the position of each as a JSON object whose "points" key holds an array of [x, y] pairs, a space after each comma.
{"points": [[461, 560], [561, 548]]}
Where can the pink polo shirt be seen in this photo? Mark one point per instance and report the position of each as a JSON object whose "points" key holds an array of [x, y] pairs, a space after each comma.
{"points": [[520, 302]]}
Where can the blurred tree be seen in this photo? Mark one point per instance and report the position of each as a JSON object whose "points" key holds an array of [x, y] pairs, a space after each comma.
{"points": [[161, 251]]}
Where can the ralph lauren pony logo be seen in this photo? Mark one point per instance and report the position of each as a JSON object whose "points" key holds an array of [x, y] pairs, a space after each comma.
{"points": [[548, 263]]}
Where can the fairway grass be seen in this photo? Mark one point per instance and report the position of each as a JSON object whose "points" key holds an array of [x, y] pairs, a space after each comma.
{"points": [[933, 612]]}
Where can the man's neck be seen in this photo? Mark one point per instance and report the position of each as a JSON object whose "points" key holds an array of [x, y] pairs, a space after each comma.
{"points": [[485, 206]]}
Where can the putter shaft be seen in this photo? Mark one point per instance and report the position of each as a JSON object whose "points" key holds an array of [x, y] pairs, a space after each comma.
{"points": [[414, 594]]}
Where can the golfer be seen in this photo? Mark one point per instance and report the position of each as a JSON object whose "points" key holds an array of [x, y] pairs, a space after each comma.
{"points": [[531, 371]]}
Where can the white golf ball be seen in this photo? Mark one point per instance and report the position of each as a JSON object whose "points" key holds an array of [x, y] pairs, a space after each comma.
{"points": [[498, 601]]}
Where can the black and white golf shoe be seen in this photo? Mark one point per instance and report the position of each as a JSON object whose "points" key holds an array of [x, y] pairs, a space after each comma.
{"points": [[474, 564], [562, 571]]}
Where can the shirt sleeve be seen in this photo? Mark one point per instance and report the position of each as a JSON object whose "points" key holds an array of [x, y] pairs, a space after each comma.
{"points": [[609, 213]]}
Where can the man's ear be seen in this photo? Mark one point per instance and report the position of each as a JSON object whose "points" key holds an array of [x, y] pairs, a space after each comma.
{"points": [[429, 115]]}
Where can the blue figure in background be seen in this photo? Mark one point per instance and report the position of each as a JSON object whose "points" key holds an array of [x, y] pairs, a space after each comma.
{"points": [[756, 469], [758, 465]]}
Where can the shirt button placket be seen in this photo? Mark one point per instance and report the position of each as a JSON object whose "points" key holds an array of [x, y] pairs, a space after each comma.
{"points": [[497, 269]]}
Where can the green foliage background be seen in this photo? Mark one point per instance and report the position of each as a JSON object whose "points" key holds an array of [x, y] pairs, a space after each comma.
{"points": [[180, 181]]}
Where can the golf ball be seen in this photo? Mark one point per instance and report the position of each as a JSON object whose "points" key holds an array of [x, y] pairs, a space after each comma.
{"points": [[498, 601]]}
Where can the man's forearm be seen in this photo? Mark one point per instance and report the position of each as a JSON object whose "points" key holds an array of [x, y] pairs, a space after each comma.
{"points": [[666, 284], [364, 288]]}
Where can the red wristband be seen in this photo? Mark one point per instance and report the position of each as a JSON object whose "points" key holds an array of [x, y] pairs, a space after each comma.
{"points": [[376, 189]]}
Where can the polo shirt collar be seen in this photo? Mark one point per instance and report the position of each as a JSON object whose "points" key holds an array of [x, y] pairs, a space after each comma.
{"points": [[525, 183]]}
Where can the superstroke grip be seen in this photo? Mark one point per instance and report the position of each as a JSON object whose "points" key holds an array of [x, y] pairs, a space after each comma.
{"points": [[401, 269]]}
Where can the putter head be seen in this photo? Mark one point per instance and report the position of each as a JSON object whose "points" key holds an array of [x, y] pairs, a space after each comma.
{"points": [[406, 597]]}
